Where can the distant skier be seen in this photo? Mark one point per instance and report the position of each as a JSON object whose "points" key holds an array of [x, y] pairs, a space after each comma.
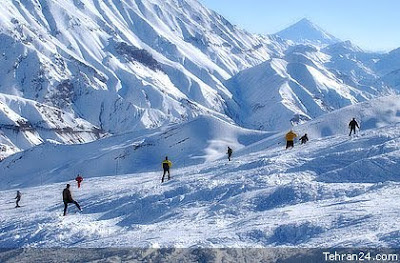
{"points": [[290, 136], [166, 165], [304, 139], [67, 198], [79, 180], [18, 197], [229, 152], [352, 125]]}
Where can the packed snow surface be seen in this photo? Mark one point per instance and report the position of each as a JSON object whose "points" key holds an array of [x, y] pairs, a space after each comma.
{"points": [[334, 191]]}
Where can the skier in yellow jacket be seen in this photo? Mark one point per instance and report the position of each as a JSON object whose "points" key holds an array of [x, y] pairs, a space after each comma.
{"points": [[166, 165], [290, 136]]}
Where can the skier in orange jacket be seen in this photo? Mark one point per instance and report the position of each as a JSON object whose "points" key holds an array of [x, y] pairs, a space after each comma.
{"points": [[290, 136]]}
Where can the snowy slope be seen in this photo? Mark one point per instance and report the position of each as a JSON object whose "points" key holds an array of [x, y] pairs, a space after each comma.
{"points": [[353, 65], [141, 65], [151, 54], [360, 69], [370, 115], [174, 78], [389, 62], [279, 93], [25, 123], [305, 83], [392, 79], [202, 140], [323, 194], [306, 32], [124, 66]]}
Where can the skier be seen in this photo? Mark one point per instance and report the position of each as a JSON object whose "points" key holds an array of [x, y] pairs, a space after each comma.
{"points": [[18, 197], [67, 198], [304, 139], [79, 180], [352, 125], [166, 165], [290, 136], [229, 152]]}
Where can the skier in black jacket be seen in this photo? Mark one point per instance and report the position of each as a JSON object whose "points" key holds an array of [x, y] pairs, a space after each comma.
{"points": [[352, 125], [67, 197], [229, 152], [18, 197], [304, 139], [166, 165]]}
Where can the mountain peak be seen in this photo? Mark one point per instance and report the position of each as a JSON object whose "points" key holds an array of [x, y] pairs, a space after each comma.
{"points": [[306, 32], [305, 21]]}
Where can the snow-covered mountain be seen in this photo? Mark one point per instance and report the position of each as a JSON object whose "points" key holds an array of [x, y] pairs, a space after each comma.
{"points": [[141, 65], [307, 82], [306, 32], [355, 66], [109, 88], [124, 66], [392, 79], [26, 123], [389, 62], [302, 85], [278, 93]]}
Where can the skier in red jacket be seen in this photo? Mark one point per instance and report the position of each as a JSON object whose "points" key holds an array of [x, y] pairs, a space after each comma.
{"points": [[79, 180]]}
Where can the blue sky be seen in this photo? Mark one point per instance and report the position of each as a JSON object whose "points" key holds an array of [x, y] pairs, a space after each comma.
{"points": [[371, 24]]}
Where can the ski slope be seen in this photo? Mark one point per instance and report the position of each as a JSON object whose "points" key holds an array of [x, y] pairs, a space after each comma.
{"points": [[280, 198], [195, 142], [335, 191]]}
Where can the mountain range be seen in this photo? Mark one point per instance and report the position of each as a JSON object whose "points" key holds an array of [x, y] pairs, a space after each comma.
{"points": [[108, 88], [77, 71]]}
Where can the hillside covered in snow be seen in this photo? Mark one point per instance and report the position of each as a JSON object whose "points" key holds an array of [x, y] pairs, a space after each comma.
{"points": [[142, 65], [107, 89], [124, 66], [335, 191]]}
